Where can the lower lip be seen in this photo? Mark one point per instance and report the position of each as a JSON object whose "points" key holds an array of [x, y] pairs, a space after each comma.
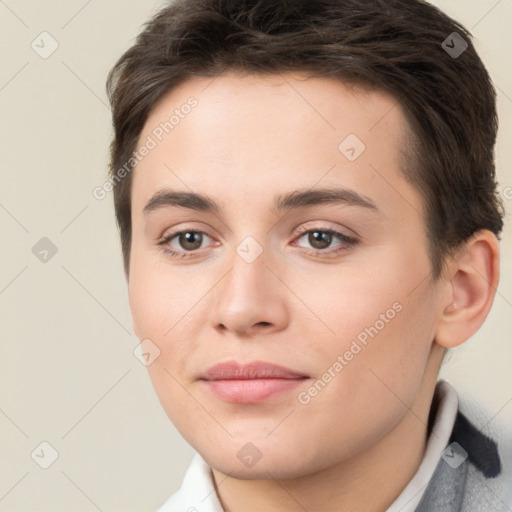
{"points": [[250, 391]]}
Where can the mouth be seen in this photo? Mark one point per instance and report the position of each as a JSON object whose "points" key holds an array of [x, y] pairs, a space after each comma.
{"points": [[250, 383]]}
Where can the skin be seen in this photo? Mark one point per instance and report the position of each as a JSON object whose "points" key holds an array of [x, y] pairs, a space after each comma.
{"points": [[249, 139]]}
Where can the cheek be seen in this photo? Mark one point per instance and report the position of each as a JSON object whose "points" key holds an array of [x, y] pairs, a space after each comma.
{"points": [[159, 312], [145, 304], [169, 309], [383, 319], [353, 301], [153, 299]]}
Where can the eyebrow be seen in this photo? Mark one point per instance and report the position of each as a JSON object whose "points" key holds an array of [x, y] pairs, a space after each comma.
{"points": [[294, 200]]}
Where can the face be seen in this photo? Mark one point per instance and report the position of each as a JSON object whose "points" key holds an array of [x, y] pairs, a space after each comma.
{"points": [[291, 302]]}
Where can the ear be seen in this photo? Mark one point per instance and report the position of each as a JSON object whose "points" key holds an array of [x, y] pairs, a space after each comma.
{"points": [[473, 276]]}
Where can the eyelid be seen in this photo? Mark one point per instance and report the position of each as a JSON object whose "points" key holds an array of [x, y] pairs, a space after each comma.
{"points": [[164, 240], [171, 233], [320, 225], [347, 241]]}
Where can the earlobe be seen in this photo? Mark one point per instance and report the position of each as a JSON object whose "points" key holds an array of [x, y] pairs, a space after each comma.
{"points": [[474, 279]]}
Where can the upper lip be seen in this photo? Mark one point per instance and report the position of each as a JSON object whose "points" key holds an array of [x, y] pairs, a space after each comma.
{"points": [[231, 370]]}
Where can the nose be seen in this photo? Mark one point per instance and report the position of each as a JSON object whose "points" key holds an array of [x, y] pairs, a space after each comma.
{"points": [[250, 299]]}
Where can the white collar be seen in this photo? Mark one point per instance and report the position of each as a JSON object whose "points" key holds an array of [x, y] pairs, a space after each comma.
{"points": [[448, 405], [197, 491]]}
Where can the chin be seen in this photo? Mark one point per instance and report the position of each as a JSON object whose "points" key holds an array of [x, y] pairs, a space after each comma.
{"points": [[258, 459], [280, 467]]}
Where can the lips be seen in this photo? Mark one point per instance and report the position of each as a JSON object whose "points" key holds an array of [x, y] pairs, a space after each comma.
{"points": [[250, 383], [255, 370]]}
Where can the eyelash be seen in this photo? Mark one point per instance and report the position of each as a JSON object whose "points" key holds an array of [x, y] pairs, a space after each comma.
{"points": [[349, 241]]}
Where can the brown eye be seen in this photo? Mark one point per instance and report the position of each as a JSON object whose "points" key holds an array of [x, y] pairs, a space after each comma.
{"points": [[184, 243], [190, 240], [319, 239]]}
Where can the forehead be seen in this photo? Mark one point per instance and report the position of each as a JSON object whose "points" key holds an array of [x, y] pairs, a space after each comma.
{"points": [[332, 105], [261, 131]]}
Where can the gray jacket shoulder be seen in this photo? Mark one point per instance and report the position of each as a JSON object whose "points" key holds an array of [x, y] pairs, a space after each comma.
{"points": [[466, 477]]}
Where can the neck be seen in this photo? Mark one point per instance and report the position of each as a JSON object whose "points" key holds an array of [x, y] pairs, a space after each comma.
{"points": [[368, 482]]}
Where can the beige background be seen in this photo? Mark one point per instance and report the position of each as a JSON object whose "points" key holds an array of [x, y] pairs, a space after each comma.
{"points": [[68, 374]]}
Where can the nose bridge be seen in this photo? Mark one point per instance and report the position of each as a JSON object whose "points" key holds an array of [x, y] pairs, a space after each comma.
{"points": [[249, 275], [249, 293]]}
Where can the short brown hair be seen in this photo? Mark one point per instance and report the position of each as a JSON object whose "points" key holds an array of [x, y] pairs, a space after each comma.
{"points": [[449, 100]]}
